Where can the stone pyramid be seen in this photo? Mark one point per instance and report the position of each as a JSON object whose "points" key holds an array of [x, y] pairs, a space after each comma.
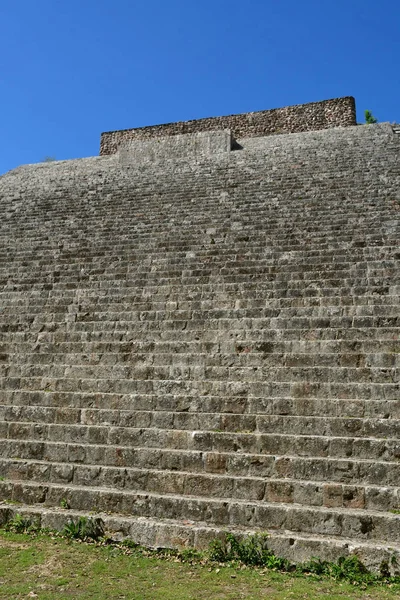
{"points": [[199, 332]]}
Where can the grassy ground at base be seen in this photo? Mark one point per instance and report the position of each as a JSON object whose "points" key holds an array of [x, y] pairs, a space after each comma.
{"points": [[46, 567]]}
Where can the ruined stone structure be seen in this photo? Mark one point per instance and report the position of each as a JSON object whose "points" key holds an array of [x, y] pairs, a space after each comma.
{"points": [[339, 112], [200, 333]]}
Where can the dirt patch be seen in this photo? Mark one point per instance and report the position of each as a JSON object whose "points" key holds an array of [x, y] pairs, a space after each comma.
{"points": [[11, 544], [50, 567]]}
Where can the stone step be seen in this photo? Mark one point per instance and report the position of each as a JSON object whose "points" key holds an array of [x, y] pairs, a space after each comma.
{"points": [[201, 260], [196, 373], [326, 292], [203, 474], [323, 238], [242, 348], [272, 274], [242, 345], [253, 326], [272, 456], [158, 232], [184, 271], [188, 331], [44, 336], [363, 525], [371, 391], [286, 203], [180, 381], [135, 258], [341, 280], [136, 254], [323, 243], [184, 267], [84, 322], [241, 355], [374, 246], [316, 197], [23, 420], [155, 532], [69, 407], [317, 315], [177, 307], [114, 313], [275, 223], [125, 411], [276, 212], [312, 307], [64, 296], [315, 292], [233, 247]]}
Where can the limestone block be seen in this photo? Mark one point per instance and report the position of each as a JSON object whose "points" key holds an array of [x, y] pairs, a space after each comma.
{"points": [[188, 147]]}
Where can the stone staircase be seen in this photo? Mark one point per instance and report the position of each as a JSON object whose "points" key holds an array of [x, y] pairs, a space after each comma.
{"points": [[194, 346]]}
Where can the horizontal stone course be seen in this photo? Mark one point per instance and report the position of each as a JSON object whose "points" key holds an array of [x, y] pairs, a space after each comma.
{"points": [[202, 421], [70, 406]]}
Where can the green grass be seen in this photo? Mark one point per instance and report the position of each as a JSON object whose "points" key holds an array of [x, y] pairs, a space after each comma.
{"points": [[54, 567]]}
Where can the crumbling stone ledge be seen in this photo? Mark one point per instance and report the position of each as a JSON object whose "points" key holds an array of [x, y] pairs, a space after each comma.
{"points": [[338, 112]]}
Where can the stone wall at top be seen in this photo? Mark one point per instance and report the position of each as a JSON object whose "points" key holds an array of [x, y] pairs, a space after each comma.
{"points": [[338, 112]]}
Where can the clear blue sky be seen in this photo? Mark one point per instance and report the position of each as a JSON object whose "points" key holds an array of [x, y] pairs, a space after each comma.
{"points": [[70, 69]]}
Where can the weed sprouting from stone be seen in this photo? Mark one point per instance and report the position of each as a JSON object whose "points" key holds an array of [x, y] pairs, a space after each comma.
{"points": [[84, 528], [349, 568], [21, 524], [369, 118], [251, 550]]}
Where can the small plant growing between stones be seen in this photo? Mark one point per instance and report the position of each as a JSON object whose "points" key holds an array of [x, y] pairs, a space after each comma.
{"points": [[21, 524], [369, 118], [85, 528], [189, 555], [351, 569], [347, 568], [64, 503], [252, 550], [130, 544]]}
